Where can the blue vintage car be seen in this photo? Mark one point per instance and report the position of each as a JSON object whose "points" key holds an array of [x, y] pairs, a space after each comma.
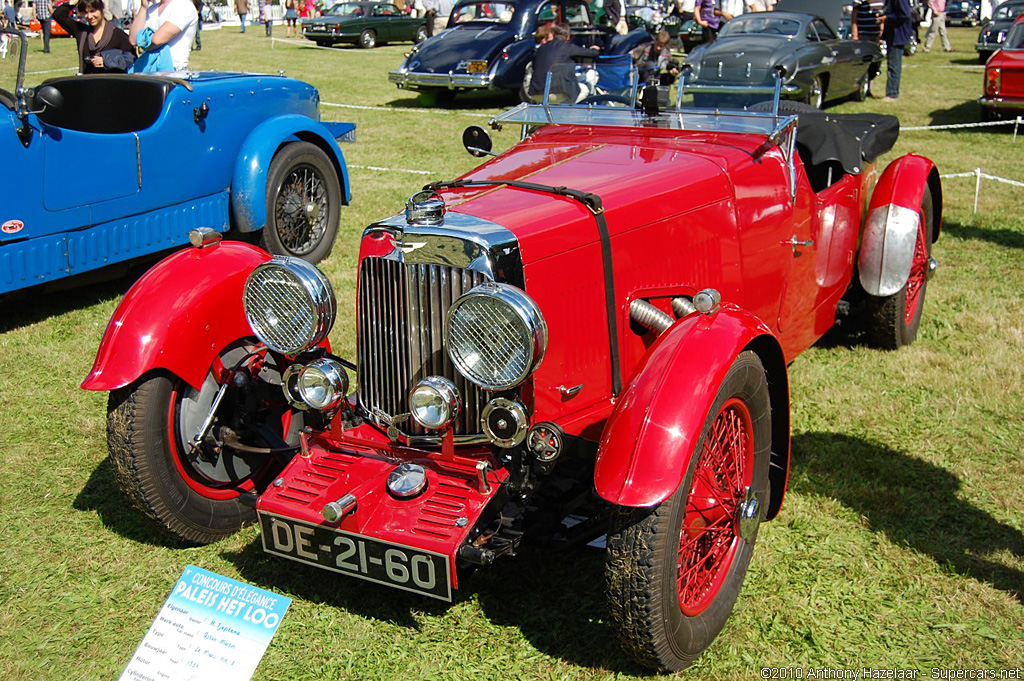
{"points": [[488, 45], [103, 169]]}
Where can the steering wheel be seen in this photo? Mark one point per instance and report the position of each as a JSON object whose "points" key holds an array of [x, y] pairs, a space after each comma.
{"points": [[611, 100]]}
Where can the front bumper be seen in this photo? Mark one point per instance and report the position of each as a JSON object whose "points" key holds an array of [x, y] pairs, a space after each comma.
{"points": [[452, 81], [430, 527]]}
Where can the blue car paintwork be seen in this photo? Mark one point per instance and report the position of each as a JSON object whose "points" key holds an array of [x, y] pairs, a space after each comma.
{"points": [[441, 61], [76, 200]]}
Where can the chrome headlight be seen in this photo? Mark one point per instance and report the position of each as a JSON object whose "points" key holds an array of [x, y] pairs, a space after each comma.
{"points": [[496, 336], [322, 383], [289, 304], [434, 402]]}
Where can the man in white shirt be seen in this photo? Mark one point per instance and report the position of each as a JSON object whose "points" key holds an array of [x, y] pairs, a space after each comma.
{"points": [[174, 24], [727, 9]]}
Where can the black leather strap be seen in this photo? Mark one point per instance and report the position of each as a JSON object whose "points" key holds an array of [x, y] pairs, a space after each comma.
{"points": [[594, 204]]}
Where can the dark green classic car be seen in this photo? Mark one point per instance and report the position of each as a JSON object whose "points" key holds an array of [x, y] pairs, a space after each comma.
{"points": [[366, 24]]}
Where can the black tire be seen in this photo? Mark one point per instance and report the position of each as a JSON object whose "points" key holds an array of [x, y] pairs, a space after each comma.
{"points": [[368, 39], [421, 35], [191, 496], [892, 321], [816, 94], [983, 58], [863, 89], [524, 88], [303, 203], [645, 546], [323, 43]]}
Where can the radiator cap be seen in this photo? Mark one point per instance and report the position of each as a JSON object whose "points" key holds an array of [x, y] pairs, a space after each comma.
{"points": [[425, 208]]}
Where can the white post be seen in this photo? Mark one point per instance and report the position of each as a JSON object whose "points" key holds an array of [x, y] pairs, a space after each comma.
{"points": [[977, 188], [1016, 124]]}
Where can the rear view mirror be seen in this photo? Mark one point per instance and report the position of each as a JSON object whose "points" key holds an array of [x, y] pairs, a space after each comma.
{"points": [[477, 141], [48, 97]]}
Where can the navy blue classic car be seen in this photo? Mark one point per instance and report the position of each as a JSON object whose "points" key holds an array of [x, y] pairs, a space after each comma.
{"points": [[817, 64], [103, 169], [488, 45], [366, 24], [994, 32], [963, 12]]}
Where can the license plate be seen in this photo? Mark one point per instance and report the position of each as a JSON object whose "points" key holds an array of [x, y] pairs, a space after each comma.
{"points": [[476, 66], [403, 567]]}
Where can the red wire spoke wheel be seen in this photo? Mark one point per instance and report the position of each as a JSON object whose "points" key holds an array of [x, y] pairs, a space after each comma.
{"points": [[674, 570], [709, 539]]}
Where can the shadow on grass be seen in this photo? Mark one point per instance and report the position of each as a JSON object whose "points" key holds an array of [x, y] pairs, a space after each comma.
{"points": [[468, 101], [1003, 237], [35, 304], [554, 599], [964, 112], [102, 496], [915, 503]]}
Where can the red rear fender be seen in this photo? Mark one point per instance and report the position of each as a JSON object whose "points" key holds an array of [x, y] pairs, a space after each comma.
{"points": [[890, 230], [650, 436], [178, 316]]}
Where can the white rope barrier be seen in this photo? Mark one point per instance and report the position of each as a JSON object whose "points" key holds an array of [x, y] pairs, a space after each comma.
{"points": [[391, 170], [977, 175], [952, 126]]}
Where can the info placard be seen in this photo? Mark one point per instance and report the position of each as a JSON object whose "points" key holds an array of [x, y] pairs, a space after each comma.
{"points": [[211, 627]]}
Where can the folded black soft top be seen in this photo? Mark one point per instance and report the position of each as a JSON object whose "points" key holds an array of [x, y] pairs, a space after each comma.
{"points": [[852, 140]]}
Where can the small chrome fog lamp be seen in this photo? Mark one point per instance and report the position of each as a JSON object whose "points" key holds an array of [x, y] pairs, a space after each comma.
{"points": [[323, 383], [434, 402], [407, 480]]}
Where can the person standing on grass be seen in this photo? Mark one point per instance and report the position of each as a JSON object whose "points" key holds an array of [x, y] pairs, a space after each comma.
{"points": [[938, 25], [242, 9], [291, 18], [170, 23], [102, 46], [44, 11], [898, 31], [706, 13], [868, 20]]}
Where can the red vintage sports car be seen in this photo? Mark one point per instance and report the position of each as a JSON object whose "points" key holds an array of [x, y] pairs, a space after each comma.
{"points": [[1004, 77], [587, 335]]}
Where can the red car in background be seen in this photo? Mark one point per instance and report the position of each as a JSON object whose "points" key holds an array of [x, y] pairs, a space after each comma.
{"points": [[587, 335], [1004, 77]]}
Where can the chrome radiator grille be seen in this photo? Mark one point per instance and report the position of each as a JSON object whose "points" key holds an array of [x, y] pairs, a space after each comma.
{"points": [[402, 310]]}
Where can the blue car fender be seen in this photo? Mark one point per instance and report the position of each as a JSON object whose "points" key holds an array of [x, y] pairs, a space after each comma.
{"points": [[249, 180]]}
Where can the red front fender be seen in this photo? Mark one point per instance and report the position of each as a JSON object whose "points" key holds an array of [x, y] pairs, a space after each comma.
{"points": [[647, 443], [178, 316]]}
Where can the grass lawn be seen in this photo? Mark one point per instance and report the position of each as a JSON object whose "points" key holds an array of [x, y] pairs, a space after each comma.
{"points": [[901, 543]]}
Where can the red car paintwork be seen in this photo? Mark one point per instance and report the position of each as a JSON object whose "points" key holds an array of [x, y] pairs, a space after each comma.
{"points": [[647, 442], [177, 317], [681, 210], [1003, 89]]}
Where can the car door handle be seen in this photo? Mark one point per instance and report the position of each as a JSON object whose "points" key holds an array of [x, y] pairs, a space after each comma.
{"points": [[797, 243]]}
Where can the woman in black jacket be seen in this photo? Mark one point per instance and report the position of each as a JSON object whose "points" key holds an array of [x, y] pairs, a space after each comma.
{"points": [[102, 47]]}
